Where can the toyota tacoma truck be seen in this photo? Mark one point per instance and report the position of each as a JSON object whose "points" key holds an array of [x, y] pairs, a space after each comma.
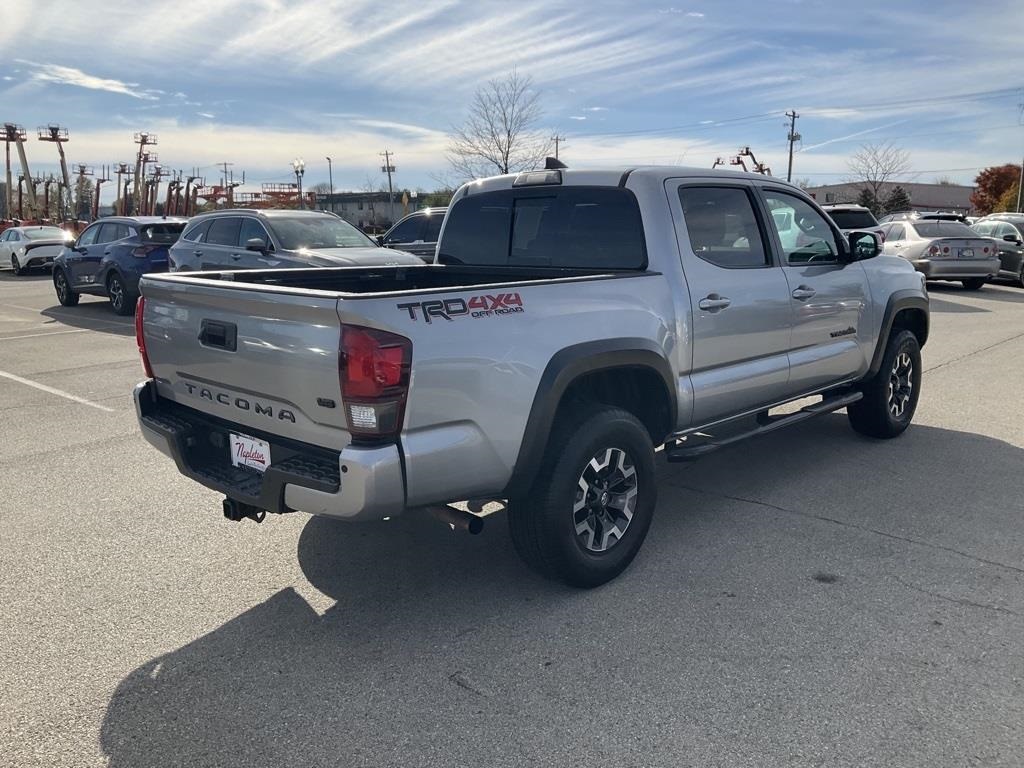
{"points": [[572, 323]]}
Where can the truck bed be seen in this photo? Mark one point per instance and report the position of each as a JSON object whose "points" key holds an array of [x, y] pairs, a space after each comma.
{"points": [[377, 282]]}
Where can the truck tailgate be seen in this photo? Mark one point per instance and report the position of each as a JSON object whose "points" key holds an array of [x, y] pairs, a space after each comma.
{"points": [[262, 358]]}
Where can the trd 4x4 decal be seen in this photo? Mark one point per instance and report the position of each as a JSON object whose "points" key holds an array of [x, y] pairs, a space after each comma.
{"points": [[485, 305]]}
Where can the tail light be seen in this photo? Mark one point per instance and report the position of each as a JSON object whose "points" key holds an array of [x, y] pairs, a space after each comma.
{"points": [[374, 369], [945, 249], [140, 336], [143, 251], [933, 250], [985, 249]]}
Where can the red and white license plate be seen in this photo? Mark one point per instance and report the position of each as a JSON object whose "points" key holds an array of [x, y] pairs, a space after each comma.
{"points": [[966, 253], [249, 452]]}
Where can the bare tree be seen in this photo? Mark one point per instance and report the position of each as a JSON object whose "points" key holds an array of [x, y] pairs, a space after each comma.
{"points": [[500, 134], [877, 164]]}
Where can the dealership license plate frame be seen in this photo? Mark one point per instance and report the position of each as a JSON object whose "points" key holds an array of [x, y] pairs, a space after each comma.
{"points": [[245, 451]]}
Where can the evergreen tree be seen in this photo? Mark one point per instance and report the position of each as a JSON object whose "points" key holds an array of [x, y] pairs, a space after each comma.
{"points": [[898, 200], [868, 200]]}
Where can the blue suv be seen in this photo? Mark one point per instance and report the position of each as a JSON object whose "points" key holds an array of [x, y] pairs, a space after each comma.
{"points": [[111, 255]]}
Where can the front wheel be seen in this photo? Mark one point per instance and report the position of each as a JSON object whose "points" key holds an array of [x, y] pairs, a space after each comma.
{"points": [[588, 512], [973, 283], [16, 266], [890, 396], [66, 296], [121, 301]]}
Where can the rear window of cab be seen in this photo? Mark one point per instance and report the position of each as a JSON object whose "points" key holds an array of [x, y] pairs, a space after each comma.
{"points": [[549, 226]]}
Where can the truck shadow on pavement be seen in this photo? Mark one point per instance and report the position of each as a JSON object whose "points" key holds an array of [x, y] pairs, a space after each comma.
{"points": [[442, 648]]}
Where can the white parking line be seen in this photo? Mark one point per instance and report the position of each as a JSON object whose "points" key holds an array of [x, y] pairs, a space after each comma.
{"points": [[37, 335], [53, 391]]}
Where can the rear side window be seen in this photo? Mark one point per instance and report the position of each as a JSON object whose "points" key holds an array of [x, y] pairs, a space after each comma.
{"points": [[568, 227], [224, 231], [896, 232], [433, 229], [112, 232], [721, 227], [161, 234]]}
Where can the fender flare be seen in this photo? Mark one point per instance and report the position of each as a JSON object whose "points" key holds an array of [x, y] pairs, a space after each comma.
{"points": [[898, 301], [565, 367]]}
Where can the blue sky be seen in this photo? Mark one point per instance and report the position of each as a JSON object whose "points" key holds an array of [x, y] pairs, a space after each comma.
{"points": [[260, 82]]}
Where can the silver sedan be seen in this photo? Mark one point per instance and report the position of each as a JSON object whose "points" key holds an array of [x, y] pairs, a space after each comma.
{"points": [[944, 250]]}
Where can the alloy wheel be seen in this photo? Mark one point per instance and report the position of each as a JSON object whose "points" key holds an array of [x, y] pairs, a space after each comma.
{"points": [[61, 284], [606, 497], [116, 292], [901, 385]]}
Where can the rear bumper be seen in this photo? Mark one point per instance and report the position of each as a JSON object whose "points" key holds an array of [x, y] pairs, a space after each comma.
{"points": [[956, 269], [356, 484]]}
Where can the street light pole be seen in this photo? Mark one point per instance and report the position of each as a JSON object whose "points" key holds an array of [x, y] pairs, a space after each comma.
{"points": [[330, 176], [299, 166]]}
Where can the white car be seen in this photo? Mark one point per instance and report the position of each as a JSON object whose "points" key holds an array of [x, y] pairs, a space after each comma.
{"points": [[26, 247]]}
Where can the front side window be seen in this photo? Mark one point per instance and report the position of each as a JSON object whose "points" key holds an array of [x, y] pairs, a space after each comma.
{"points": [[433, 228], [252, 228], [197, 232], [722, 227], [296, 233], [89, 236], [561, 227], [224, 231], [804, 233], [408, 231]]}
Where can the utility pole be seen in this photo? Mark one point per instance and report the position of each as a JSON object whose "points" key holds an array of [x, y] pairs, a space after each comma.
{"points": [[330, 176], [104, 176], [388, 168], [558, 140], [8, 191], [793, 137], [119, 208], [80, 204], [58, 135], [143, 140]]}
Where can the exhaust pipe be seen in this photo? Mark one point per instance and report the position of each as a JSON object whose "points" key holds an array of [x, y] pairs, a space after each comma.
{"points": [[458, 518]]}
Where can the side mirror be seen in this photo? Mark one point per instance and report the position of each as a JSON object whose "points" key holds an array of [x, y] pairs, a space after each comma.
{"points": [[256, 244], [1011, 239], [864, 245], [380, 240]]}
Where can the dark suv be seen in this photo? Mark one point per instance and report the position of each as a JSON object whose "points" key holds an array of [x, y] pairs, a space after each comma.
{"points": [[267, 239], [1008, 231], [417, 233], [110, 256]]}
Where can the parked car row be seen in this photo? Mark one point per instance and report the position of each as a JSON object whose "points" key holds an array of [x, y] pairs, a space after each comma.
{"points": [[945, 245]]}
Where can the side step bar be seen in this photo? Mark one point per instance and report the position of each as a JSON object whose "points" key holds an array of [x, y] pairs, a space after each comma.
{"points": [[691, 452]]}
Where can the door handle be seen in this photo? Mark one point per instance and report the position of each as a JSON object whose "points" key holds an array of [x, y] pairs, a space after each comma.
{"points": [[713, 302], [106, 253], [197, 253], [236, 256], [803, 292]]}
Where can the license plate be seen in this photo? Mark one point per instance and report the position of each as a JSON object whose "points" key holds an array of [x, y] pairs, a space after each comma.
{"points": [[249, 452], [966, 253]]}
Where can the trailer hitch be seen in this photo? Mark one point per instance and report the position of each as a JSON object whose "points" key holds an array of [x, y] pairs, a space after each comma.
{"points": [[238, 511]]}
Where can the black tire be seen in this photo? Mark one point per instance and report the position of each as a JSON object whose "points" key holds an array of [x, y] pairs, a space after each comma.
{"points": [[1020, 277], [16, 266], [544, 522], [61, 284], [974, 283], [121, 300], [885, 413]]}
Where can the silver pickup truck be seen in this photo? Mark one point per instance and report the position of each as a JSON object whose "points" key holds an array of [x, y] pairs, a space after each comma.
{"points": [[572, 323]]}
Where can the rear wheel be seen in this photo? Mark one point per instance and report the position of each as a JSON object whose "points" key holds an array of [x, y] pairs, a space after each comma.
{"points": [[16, 266], [973, 283], [1020, 277], [588, 512], [890, 396], [121, 301], [66, 296]]}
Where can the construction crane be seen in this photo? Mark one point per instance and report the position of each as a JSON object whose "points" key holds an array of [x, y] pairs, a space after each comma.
{"points": [[761, 168], [143, 139], [16, 133], [58, 135]]}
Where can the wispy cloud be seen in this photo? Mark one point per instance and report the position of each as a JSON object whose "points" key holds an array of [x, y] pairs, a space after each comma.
{"points": [[865, 132], [595, 109], [577, 117], [207, 115], [55, 73], [402, 128]]}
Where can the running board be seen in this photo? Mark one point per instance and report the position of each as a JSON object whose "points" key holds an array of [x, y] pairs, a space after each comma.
{"points": [[765, 424]]}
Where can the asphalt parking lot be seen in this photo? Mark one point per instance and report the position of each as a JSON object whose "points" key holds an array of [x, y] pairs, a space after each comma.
{"points": [[807, 598]]}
